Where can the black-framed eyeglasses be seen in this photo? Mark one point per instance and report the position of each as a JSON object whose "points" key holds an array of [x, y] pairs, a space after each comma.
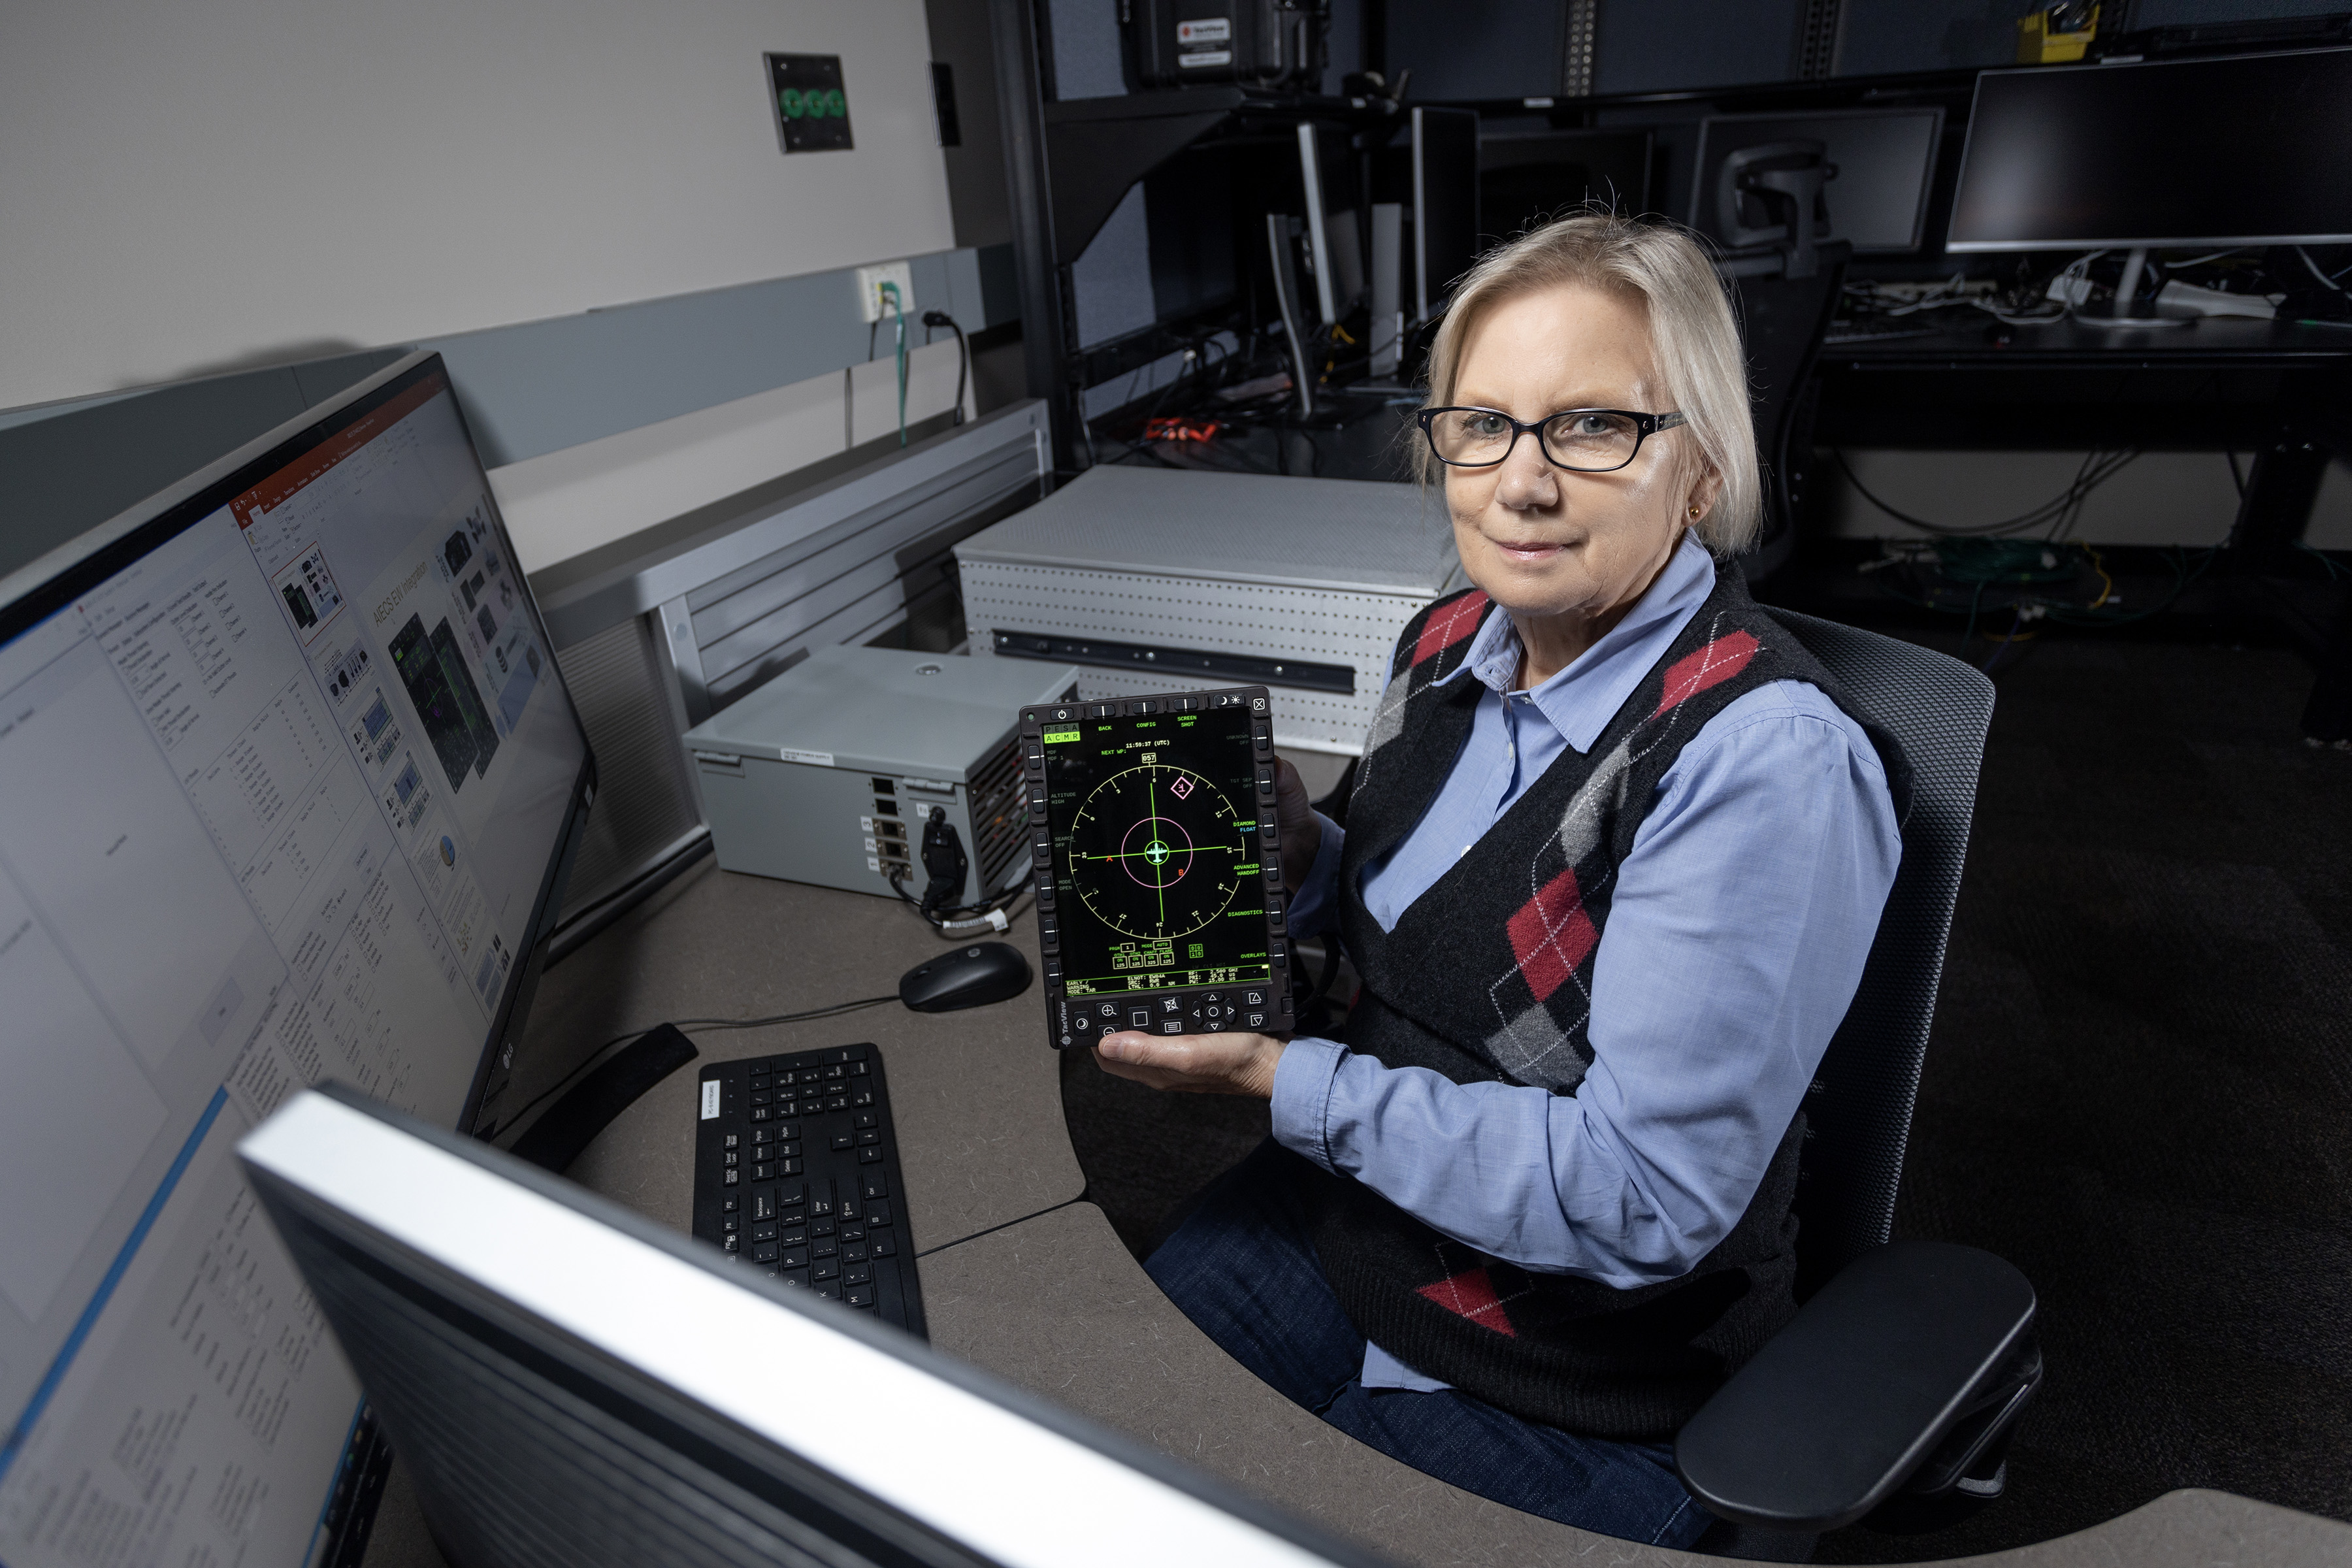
{"points": [[1582, 440]]}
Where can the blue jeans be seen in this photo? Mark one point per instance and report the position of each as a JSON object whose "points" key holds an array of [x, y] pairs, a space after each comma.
{"points": [[1242, 1268]]}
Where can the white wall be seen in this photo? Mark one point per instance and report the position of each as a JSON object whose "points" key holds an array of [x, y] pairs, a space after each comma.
{"points": [[194, 185]]}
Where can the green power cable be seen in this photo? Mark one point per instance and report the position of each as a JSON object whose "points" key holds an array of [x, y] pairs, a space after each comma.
{"points": [[889, 292]]}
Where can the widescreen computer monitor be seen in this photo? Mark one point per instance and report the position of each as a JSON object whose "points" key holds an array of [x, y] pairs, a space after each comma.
{"points": [[568, 1382], [288, 784], [2245, 150], [1444, 204], [1884, 163]]}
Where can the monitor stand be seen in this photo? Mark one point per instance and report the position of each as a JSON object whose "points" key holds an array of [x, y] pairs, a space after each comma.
{"points": [[571, 1123], [2134, 266], [1281, 232]]}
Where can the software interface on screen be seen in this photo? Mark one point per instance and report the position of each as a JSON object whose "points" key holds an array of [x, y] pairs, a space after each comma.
{"points": [[276, 804], [1154, 823]]}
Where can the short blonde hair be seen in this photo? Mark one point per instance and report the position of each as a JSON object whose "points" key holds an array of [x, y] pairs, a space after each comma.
{"points": [[1692, 337]]}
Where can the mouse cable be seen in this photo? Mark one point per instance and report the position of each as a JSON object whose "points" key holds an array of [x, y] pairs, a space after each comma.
{"points": [[596, 1058]]}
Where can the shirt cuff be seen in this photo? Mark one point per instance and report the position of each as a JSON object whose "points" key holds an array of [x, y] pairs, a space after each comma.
{"points": [[1302, 1096], [1382, 1370], [1310, 904]]}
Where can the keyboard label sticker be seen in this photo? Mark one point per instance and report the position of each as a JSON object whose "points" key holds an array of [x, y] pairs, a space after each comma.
{"points": [[709, 1098]]}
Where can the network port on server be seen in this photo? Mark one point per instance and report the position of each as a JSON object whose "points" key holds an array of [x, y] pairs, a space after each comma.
{"points": [[885, 833]]}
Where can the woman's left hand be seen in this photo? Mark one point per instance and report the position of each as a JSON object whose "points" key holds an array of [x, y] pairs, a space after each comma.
{"points": [[1196, 1064]]}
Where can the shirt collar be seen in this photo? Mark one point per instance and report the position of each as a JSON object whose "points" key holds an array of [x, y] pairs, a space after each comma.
{"points": [[1581, 699]]}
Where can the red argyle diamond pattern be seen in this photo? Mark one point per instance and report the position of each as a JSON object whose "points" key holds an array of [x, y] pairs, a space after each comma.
{"points": [[1550, 934], [1470, 1294], [1718, 662], [1450, 626]]}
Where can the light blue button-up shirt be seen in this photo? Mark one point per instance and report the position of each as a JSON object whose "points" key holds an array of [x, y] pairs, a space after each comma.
{"points": [[1735, 936]]}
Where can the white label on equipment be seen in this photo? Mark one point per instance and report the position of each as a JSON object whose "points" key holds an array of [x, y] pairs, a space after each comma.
{"points": [[1206, 58], [710, 1100], [822, 759], [1210, 30]]}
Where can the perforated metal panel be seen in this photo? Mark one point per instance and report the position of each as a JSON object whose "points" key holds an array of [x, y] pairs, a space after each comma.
{"points": [[1319, 570], [1357, 630]]}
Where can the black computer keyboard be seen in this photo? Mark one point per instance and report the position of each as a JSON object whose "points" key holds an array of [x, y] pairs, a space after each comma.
{"points": [[796, 1176]]}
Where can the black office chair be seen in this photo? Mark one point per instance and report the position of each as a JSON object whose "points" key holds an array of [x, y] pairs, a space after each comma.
{"points": [[1895, 1390]]}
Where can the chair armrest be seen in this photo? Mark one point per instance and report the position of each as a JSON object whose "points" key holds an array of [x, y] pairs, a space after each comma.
{"points": [[1838, 1410]]}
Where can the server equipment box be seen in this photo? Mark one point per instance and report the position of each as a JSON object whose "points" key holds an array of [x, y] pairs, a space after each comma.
{"points": [[1155, 580], [828, 772]]}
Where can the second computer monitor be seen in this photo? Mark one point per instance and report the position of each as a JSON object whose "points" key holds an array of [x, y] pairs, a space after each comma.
{"points": [[1444, 204], [1526, 178], [1884, 162], [1332, 198], [2242, 150]]}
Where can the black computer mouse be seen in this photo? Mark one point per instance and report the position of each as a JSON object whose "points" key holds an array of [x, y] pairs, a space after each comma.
{"points": [[969, 976]]}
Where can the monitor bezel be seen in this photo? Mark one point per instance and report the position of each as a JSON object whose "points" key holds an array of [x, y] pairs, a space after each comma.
{"points": [[51, 584], [299, 1157], [1999, 247]]}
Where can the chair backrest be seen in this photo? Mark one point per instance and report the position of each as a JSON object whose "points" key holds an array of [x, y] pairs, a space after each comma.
{"points": [[1858, 1112], [1782, 320]]}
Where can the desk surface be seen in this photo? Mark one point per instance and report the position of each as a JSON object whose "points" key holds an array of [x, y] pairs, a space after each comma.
{"points": [[1050, 1300], [975, 1096]]}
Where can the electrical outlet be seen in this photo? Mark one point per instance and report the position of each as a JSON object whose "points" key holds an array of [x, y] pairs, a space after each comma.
{"points": [[869, 289]]}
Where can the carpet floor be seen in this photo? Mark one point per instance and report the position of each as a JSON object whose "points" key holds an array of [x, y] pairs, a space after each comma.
{"points": [[2138, 1090]]}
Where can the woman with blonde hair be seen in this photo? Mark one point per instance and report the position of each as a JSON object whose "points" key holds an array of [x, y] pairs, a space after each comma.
{"points": [[1614, 859]]}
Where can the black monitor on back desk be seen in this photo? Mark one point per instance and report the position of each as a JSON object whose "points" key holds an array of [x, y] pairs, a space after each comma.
{"points": [[1882, 163], [1528, 177], [2240, 150]]}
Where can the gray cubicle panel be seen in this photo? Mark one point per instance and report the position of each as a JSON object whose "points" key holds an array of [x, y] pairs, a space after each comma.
{"points": [[1024, 1278], [656, 631]]}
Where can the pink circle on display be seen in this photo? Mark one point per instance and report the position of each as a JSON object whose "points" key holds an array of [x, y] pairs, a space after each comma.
{"points": [[1148, 842]]}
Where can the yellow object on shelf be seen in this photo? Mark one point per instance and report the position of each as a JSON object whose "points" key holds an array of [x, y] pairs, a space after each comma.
{"points": [[2038, 46]]}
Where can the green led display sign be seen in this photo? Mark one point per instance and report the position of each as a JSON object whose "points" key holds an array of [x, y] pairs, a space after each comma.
{"points": [[812, 110]]}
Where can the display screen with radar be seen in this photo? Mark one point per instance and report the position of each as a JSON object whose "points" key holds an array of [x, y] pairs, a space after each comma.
{"points": [[1160, 896]]}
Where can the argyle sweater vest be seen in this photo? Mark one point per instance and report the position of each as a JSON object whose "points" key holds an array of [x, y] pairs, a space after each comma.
{"points": [[1488, 977]]}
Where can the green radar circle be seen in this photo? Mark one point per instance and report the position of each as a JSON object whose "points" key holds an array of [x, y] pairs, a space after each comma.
{"points": [[1156, 852]]}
